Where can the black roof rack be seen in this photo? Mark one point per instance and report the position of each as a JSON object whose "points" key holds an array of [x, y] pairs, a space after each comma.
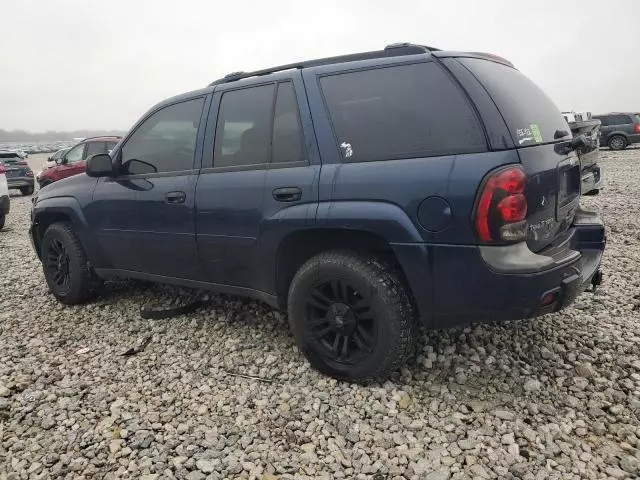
{"points": [[393, 50]]}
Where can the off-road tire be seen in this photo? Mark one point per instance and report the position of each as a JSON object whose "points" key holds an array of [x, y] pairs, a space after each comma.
{"points": [[371, 278], [82, 282]]}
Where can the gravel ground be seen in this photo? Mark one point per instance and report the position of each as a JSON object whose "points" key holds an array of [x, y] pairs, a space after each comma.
{"points": [[557, 397]]}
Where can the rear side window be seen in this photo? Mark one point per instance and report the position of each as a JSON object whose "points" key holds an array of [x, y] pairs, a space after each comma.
{"points": [[243, 131], [288, 144], [404, 111], [95, 148], [619, 120], [531, 115]]}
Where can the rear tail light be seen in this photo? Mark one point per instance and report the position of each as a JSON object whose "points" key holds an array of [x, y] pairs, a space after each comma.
{"points": [[637, 128], [3, 169], [501, 209]]}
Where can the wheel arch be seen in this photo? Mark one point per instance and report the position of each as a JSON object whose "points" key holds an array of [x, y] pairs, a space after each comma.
{"points": [[49, 211], [299, 246]]}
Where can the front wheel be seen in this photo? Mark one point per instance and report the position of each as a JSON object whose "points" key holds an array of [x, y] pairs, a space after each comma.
{"points": [[351, 316], [617, 142], [26, 190], [65, 265]]}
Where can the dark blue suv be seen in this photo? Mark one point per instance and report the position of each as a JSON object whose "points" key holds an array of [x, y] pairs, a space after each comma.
{"points": [[366, 194]]}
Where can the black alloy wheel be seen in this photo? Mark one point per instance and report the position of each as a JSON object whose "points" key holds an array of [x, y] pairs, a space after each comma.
{"points": [[57, 263], [341, 321]]}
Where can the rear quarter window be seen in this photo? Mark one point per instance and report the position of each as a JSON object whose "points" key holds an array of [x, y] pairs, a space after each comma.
{"points": [[531, 116], [404, 111]]}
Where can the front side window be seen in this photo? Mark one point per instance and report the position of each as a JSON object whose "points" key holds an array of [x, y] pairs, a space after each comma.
{"points": [[243, 130], [164, 142], [405, 111], [76, 154]]}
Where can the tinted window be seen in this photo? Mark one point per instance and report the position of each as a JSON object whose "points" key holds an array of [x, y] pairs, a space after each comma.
{"points": [[166, 141], [604, 121], [243, 130], [531, 115], [619, 120], [288, 144], [76, 154], [94, 148], [10, 158], [400, 112]]}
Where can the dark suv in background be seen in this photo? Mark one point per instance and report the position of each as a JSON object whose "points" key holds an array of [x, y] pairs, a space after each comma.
{"points": [[73, 161], [363, 194], [19, 174], [619, 130]]}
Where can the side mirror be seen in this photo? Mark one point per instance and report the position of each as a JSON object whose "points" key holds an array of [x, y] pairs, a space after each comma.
{"points": [[100, 165], [59, 160]]}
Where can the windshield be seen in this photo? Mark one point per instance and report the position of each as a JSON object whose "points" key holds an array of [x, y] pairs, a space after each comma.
{"points": [[531, 116]]}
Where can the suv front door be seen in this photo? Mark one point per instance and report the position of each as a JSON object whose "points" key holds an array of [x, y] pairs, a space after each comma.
{"points": [[144, 218]]}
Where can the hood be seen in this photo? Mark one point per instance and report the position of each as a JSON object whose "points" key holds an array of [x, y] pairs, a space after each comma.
{"points": [[68, 187]]}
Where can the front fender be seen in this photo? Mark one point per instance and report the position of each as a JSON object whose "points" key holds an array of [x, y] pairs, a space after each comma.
{"points": [[60, 206], [54, 209]]}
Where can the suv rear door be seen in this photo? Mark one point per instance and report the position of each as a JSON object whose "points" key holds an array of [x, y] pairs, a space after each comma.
{"points": [[254, 166], [541, 136]]}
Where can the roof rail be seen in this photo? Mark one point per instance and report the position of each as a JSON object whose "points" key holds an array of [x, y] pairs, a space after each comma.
{"points": [[393, 50], [100, 136]]}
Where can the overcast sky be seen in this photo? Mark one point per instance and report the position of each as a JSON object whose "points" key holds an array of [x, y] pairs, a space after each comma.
{"points": [[71, 64]]}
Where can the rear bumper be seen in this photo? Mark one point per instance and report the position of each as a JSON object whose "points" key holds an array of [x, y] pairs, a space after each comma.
{"points": [[5, 204], [635, 138], [19, 182], [465, 285]]}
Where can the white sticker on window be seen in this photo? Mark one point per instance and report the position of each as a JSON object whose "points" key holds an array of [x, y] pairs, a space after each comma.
{"points": [[346, 149]]}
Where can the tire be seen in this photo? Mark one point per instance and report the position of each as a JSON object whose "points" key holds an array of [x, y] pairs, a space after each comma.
{"points": [[617, 142], [65, 266], [26, 190], [3, 218], [371, 316]]}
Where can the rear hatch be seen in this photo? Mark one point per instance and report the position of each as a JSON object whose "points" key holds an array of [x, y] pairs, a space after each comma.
{"points": [[14, 164], [543, 141]]}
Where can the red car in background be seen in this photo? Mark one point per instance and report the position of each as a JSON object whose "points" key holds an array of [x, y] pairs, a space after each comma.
{"points": [[74, 161]]}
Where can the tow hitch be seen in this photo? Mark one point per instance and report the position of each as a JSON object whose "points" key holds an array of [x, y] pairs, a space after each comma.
{"points": [[595, 281]]}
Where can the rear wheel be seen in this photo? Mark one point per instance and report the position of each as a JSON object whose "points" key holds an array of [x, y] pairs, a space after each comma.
{"points": [[351, 316], [65, 265], [26, 190], [617, 142]]}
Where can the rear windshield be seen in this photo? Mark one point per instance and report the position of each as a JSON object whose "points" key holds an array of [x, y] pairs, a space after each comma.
{"points": [[9, 158], [531, 115]]}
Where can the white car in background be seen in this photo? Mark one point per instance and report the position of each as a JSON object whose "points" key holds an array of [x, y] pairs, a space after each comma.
{"points": [[4, 196]]}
